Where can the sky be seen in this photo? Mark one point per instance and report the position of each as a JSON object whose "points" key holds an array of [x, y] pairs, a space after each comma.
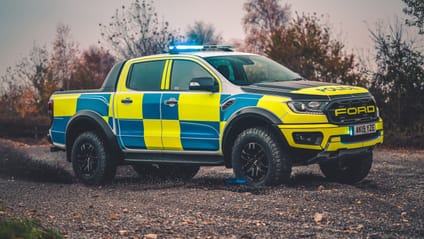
{"points": [[25, 22]]}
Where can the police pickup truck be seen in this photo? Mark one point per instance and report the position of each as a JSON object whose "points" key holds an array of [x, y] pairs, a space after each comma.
{"points": [[169, 114]]}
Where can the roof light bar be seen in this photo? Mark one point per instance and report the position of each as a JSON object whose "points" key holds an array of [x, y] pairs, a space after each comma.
{"points": [[173, 49], [185, 47]]}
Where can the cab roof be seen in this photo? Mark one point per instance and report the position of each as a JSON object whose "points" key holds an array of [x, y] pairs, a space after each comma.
{"points": [[205, 54], [203, 50]]}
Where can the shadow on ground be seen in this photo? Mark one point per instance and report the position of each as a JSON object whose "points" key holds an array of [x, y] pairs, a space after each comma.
{"points": [[302, 181], [15, 164]]}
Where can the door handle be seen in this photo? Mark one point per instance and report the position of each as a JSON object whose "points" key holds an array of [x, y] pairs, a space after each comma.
{"points": [[127, 100], [171, 102]]}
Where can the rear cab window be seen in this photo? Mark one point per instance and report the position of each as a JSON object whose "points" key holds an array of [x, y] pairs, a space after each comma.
{"points": [[146, 76]]}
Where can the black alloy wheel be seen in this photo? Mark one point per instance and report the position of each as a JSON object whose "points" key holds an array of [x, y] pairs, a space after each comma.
{"points": [[259, 156], [87, 159], [254, 162], [92, 161]]}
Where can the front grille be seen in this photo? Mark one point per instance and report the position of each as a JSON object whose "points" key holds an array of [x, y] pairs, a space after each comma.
{"points": [[352, 111]]}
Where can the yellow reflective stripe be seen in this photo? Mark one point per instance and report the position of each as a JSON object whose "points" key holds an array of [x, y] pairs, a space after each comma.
{"points": [[199, 107], [152, 133], [171, 140], [222, 126], [275, 104], [65, 105], [162, 82], [166, 75], [129, 111]]}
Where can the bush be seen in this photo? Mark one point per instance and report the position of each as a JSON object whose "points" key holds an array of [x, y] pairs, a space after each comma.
{"points": [[35, 127]]}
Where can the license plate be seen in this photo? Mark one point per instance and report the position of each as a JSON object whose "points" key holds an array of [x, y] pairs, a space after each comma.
{"points": [[363, 129]]}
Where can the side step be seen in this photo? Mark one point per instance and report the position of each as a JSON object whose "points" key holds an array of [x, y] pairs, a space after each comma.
{"points": [[163, 158]]}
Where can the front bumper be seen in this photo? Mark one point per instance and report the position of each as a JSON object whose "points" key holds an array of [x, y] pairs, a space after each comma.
{"points": [[334, 137]]}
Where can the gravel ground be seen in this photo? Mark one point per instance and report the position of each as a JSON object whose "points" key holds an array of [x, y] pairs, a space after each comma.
{"points": [[387, 204]]}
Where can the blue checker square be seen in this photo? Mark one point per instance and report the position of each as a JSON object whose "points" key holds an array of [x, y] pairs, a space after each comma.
{"points": [[96, 102], [151, 109], [169, 113]]}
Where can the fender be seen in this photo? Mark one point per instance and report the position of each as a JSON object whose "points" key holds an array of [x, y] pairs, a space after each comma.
{"points": [[237, 119], [86, 120]]}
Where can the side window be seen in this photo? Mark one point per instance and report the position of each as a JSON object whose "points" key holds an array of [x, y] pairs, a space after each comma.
{"points": [[183, 72], [146, 76]]}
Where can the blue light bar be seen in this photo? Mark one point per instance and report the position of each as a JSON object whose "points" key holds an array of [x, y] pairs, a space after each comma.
{"points": [[185, 47], [174, 49]]}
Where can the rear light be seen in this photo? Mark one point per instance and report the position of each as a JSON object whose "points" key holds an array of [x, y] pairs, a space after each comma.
{"points": [[50, 111]]}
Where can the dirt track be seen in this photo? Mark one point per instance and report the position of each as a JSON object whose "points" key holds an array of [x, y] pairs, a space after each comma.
{"points": [[388, 204]]}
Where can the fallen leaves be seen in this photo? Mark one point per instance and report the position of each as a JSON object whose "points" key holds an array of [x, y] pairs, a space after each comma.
{"points": [[318, 217], [403, 216], [113, 216], [150, 236]]}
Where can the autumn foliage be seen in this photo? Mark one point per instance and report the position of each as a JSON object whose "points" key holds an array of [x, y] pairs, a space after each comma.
{"points": [[29, 84], [307, 47]]}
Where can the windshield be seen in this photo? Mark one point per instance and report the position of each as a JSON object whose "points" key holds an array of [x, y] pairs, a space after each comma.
{"points": [[251, 69]]}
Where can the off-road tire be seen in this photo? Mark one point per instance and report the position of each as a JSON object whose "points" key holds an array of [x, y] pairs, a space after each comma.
{"points": [[92, 161], [348, 170], [258, 156], [163, 171]]}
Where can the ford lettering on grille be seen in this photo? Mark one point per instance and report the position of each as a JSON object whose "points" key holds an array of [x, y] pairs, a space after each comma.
{"points": [[352, 111]]}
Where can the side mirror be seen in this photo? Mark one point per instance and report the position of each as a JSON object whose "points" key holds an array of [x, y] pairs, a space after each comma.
{"points": [[204, 84]]}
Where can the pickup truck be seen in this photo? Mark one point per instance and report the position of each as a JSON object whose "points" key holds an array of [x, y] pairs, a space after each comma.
{"points": [[169, 114]]}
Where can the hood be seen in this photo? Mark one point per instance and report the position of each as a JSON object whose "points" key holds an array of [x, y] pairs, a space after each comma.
{"points": [[303, 89]]}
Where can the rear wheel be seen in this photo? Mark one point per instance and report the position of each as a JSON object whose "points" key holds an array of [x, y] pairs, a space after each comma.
{"points": [[259, 158], [92, 162], [162, 171], [348, 170]]}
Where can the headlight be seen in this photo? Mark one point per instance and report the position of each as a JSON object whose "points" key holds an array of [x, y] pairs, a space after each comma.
{"points": [[307, 107]]}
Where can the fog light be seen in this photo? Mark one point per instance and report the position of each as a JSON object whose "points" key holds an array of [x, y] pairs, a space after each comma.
{"points": [[311, 138]]}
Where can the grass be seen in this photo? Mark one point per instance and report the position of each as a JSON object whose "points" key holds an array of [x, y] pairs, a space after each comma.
{"points": [[13, 229]]}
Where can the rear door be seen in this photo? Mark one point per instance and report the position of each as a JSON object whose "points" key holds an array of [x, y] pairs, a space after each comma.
{"points": [[137, 105]]}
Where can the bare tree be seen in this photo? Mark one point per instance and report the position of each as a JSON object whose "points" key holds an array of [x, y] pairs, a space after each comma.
{"points": [[136, 31], [12, 88], [262, 18], [25, 84], [33, 69], [415, 9], [398, 83], [202, 33], [64, 57]]}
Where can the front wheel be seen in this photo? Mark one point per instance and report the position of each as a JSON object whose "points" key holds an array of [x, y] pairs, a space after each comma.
{"points": [[259, 158], [348, 170], [92, 162]]}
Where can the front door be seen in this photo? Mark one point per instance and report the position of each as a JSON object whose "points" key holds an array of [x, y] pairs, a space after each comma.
{"points": [[190, 119]]}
